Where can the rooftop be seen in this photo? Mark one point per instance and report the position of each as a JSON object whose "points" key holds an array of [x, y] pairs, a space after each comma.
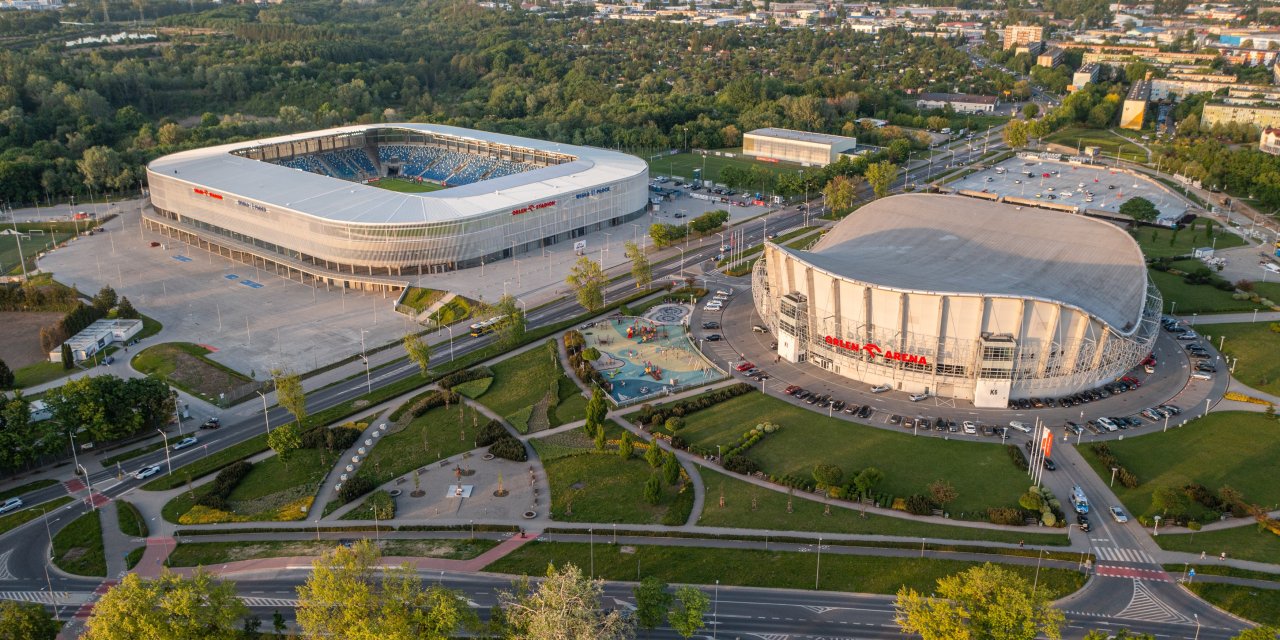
{"points": [[958, 245], [957, 97], [804, 136]]}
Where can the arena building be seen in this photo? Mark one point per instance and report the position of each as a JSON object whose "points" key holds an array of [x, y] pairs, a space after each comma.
{"points": [[304, 204], [963, 298]]}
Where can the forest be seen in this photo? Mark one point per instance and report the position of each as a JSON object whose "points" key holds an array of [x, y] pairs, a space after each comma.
{"points": [[85, 120]]}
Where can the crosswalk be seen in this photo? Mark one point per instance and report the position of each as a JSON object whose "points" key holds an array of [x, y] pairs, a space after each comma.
{"points": [[1144, 605], [45, 597], [1115, 554], [268, 602]]}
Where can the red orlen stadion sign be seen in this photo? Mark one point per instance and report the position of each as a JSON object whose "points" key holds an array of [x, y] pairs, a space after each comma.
{"points": [[874, 350]]}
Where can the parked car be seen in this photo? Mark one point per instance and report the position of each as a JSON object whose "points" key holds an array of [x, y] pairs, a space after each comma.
{"points": [[1020, 426], [917, 397], [865, 412], [10, 505], [744, 366], [714, 337], [711, 325], [881, 388], [1084, 523], [970, 428], [1118, 515], [791, 390]]}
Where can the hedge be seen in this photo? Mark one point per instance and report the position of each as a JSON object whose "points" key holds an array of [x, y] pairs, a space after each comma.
{"points": [[657, 416], [223, 484]]}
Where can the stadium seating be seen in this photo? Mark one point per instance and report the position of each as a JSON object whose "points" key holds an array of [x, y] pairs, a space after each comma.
{"points": [[350, 164], [307, 163], [445, 166], [506, 168]]}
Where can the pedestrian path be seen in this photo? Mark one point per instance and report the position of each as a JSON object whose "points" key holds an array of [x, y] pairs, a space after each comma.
{"points": [[1153, 575]]}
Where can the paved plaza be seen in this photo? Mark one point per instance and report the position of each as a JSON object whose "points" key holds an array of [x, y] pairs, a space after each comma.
{"points": [[1111, 187]]}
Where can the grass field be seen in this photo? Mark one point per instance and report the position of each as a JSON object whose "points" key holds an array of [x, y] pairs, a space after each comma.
{"points": [[1081, 137], [39, 373], [130, 520], [419, 299], [755, 568], [683, 164], [402, 185], [208, 464], [1195, 298], [434, 435], [77, 548], [271, 491], [194, 554], [522, 381], [1233, 448], [185, 366], [1251, 603], [600, 487], [981, 473], [1242, 543], [18, 518], [1258, 349], [1159, 243], [770, 512], [458, 309], [37, 243]]}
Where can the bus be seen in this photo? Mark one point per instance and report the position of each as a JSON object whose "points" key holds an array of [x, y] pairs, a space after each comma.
{"points": [[1079, 501], [486, 326]]}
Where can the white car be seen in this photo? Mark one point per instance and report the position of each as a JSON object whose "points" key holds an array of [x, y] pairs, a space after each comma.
{"points": [[10, 505], [185, 442], [1201, 375], [917, 397], [1020, 426], [881, 388], [1118, 514], [970, 428], [724, 292], [146, 472]]}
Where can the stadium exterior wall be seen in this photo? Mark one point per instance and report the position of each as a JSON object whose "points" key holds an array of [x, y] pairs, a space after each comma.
{"points": [[189, 209], [984, 348]]}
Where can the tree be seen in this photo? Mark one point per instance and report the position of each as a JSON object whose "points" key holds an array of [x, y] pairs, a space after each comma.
{"points": [[68, 358], [6, 376], [690, 607], [346, 598], [511, 321], [652, 602], [601, 441], [653, 489], [566, 606], [1259, 633], [284, 440], [587, 280], [26, 621], [942, 492], [1140, 209], [105, 300], [840, 192], [1015, 133], [597, 409], [880, 176], [653, 455], [828, 474], [867, 480], [641, 271], [625, 447], [671, 469], [418, 351], [289, 393], [1030, 110], [126, 311], [987, 602], [1122, 634], [170, 607], [1170, 501]]}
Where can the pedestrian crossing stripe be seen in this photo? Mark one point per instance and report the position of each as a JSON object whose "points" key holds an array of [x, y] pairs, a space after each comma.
{"points": [[268, 602], [45, 597], [1124, 555], [1144, 605]]}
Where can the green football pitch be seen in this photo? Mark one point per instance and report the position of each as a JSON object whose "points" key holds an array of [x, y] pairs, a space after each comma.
{"points": [[405, 186]]}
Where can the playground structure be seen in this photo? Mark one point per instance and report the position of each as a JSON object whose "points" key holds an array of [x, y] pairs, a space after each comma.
{"points": [[641, 359]]}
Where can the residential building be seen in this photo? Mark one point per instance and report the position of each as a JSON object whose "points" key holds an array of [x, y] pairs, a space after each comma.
{"points": [[1270, 141], [1134, 111], [1018, 34], [1051, 57], [961, 102], [1261, 117], [1086, 74]]}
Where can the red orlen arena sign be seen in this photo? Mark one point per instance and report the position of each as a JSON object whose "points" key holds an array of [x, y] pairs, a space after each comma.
{"points": [[206, 192], [533, 207], [874, 350]]}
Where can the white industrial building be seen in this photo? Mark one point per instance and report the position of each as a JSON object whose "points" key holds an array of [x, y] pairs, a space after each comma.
{"points": [[96, 337]]}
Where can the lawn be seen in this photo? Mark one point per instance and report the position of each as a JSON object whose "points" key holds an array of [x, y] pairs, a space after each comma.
{"points": [[131, 522], [1258, 349], [1195, 298], [1269, 290], [757, 568], [683, 164], [28, 487], [39, 373], [434, 435], [1259, 605], [1241, 543], [534, 380], [418, 298], [209, 464], [77, 547], [401, 185], [981, 473], [37, 243], [1080, 138], [18, 518], [1233, 448], [770, 512], [185, 366], [455, 310], [600, 487], [193, 554], [271, 491], [1160, 242]]}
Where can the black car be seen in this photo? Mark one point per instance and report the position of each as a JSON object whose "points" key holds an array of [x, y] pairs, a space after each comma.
{"points": [[852, 409], [711, 325], [715, 337], [1050, 402], [1084, 523], [895, 419], [1024, 404], [211, 423], [865, 411], [838, 405]]}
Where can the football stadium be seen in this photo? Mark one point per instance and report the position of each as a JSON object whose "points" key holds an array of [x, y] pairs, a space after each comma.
{"points": [[963, 298], [308, 206]]}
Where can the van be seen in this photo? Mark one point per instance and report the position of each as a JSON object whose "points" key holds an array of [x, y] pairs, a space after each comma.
{"points": [[1079, 501]]}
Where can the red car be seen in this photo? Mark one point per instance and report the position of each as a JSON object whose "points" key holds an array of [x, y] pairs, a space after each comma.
{"points": [[1149, 360], [791, 389], [744, 366]]}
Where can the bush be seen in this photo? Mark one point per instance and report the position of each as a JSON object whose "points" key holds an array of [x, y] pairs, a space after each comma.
{"points": [[919, 505], [215, 497], [466, 375], [740, 464], [354, 488], [509, 447], [657, 416], [1015, 454], [336, 439], [828, 474], [490, 433], [1005, 515]]}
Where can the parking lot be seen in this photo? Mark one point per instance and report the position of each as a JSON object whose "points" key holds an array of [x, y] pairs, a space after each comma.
{"points": [[1068, 184], [685, 206]]}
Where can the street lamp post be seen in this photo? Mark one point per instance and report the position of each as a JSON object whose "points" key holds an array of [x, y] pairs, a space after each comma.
{"points": [[166, 449], [368, 381], [1036, 583], [76, 460], [450, 329], [1156, 531], [591, 533], [715, 613], [681, 261], [265, 419], [1113, 475], [817, 571]]}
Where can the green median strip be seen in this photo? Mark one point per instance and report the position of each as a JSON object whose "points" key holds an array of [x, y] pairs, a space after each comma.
{"points": [[27, 488], [19, 518]]}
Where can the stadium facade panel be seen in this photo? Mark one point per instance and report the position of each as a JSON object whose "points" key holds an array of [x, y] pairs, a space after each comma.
{"points": [[963, 298], [304, 200]]}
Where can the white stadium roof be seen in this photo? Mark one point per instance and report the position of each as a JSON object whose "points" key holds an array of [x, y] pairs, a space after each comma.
{"points": [[218, 169], [960, 245]]}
